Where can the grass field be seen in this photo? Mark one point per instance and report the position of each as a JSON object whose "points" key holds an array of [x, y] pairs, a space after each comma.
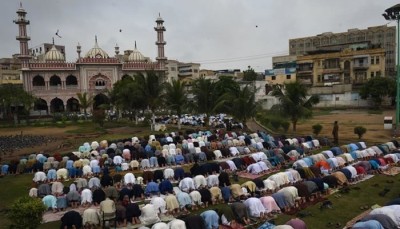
{"points": [[344, 208]]}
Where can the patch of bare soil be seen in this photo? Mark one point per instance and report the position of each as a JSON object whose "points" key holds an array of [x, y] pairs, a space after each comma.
{"points": [[348, 119]]}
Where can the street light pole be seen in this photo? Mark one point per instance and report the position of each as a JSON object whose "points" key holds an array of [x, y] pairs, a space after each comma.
{"points": [[393, 14]]}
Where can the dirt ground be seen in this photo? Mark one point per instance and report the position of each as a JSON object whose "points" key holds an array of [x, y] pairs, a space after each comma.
{"points": [[347, 119]]}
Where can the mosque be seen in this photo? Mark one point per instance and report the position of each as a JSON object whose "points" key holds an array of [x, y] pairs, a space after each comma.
{"points": [[56, 82]]}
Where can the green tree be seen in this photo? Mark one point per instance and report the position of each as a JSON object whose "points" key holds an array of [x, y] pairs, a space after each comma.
{"points": [[317, 129], [249, 74], [128, 97], [175, 97], [99, 116], [239, 102], [224, 85], [150, 88], [377, 88], [360, 131], [26, 212], [295, 103], [85, 101], [15, 100], [204, 97]]}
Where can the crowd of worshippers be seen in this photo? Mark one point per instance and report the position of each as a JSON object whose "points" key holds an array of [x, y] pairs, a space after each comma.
{"points": [[261, 152], [90, 167], [16, 142], [118, 196]]}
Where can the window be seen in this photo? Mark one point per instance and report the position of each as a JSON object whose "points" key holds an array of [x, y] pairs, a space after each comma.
{"points": [[173, 69], [372, 74], [288, 77], [273, 77], [319, 78], [195, 70], [377, 60], [372, 60], [378, 74]]}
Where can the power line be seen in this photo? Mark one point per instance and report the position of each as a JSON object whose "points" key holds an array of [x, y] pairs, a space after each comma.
{"points": [[235, 59]]}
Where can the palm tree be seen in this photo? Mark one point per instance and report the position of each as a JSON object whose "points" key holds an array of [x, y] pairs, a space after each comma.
{"points": [[150, 89], [175, 97], [239, 102], [295, 101], [205, 97], [85, 101]]}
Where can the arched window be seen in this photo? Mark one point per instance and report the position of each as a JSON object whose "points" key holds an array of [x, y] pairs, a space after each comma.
{"points": [[38, 81], [55, 81], [100, 83], [71, 81]]}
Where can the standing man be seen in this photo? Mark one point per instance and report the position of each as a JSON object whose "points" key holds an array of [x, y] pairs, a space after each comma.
{"points": [[335, 133]]}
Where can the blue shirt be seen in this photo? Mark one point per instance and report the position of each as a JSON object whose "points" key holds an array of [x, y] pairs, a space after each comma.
{"points": [[211, 219], [370, 224], [152, 187]]}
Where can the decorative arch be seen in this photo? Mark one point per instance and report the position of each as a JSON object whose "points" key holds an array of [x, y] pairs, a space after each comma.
{"points": [[72, 105], [38, 81], [71, 81], [99, 82], [40, 104], [55, 80], [56, 105], [100, 99]]}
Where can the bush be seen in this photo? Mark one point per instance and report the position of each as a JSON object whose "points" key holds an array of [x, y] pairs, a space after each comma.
{"points": [[26, 212], [99, 115], [275, 123], [317, 129], [360, 131], [285, 125]]}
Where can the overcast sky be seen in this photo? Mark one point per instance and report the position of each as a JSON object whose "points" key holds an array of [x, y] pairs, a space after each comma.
{"points": [[219, 34]]}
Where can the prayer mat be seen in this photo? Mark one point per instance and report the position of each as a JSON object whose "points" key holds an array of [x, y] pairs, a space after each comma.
{"points": [[393, 171], [355, 219]]}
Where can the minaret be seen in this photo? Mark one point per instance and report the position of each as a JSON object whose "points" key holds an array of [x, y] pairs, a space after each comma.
{"points": [[23, 38], [78, 50], [160, 42], [116, 50]]}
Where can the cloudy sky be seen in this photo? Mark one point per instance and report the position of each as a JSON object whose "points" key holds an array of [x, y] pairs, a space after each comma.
{"points": [[219, 34]]}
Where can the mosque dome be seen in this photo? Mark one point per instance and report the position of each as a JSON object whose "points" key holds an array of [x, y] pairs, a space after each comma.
{"points": [[96, 52], [54, 55], [136, 55]]}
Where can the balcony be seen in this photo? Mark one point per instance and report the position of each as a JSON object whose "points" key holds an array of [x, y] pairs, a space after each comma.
{"points": [[38, 88], [360, 66], [306, 79]]}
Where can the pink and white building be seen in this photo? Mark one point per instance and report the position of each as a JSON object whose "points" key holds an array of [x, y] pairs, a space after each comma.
{"points": [[56, 82]]}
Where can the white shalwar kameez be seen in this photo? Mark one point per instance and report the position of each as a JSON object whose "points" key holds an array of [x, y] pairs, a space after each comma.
{"points": [[254, 206]]}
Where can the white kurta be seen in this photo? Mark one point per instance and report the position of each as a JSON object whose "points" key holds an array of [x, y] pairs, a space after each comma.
{"points": [[39, 176], [159, 204], [149, 215], [186, 184], [86, 196], [129, 178], [212, 180], [196, 197], [254, 206], [160, 225], [200, 180], [91, 216], [254, 168], [168, 173], [177, 224], [232, 165]]}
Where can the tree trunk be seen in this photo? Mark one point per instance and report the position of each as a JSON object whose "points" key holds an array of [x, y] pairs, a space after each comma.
{"points": [[179, 122], [294, 123]]}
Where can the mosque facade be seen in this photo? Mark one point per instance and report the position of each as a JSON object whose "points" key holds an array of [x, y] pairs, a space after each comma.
{"points": [[56, 82]]}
